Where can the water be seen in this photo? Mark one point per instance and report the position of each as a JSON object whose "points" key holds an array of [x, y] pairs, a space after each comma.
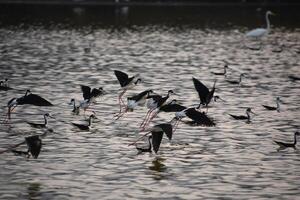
{"points": [[233, 160]]}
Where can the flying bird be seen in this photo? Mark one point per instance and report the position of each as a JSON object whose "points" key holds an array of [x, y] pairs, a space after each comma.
{"points": [[204, 94]]}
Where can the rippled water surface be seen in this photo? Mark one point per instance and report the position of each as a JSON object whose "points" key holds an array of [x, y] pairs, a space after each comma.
{"points": [[233, 160]]}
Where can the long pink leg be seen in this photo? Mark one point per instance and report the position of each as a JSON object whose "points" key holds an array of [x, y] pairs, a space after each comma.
{"points": [[149, 120], [121, 102], [176, 125], [122, 113], [146, 117]]}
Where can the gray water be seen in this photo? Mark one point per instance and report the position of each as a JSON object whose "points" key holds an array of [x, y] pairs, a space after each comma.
{"points": [[233, 160]]}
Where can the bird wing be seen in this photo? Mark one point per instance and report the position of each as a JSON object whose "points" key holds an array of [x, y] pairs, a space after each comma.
{"points": [[96, 92], [201, 89], [156, 140], [199, 117], [122, 77], [86, 91], [35, 100], [172, 108], [167, 129], [34, 144], [139, 96], [256, 32]]}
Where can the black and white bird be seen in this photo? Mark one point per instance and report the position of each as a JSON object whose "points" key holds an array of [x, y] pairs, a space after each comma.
{"points": [[222, 73], [154, 102], [148, 149], [278, 101], [126, 83], [4, 85], [198, 118], [91, 94], [76, 109], [204, 94], [157, 132], [244, 117], [283, 145], [28, 98], [41, 125], [34, 144], [85, 126], [134, 101], [237, 82]]}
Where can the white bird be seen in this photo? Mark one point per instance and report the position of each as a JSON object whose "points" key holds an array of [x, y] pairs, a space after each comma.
{"points": [[259, 32]]}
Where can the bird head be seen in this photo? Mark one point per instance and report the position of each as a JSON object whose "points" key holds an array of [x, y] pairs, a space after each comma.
{"points": [[170, 92], [250, 111], [226, 66], [138, 81], [278, 99], [93, 116], [270, 13], [72, 101], [49, 115], [27, 92]]}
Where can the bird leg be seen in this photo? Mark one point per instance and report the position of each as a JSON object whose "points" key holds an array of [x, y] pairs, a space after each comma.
{"points": [[150, 118], [176, 125], [121, 102], [121, 113], [139, 138], [146, 117]]}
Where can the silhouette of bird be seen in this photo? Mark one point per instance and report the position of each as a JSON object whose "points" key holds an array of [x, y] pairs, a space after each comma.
{"points": [[4, 85], [243, 117], [34, 144], [39, 125], [294, 78], [148, 149], [85, 126], [274, 108], [91, 94], [222, 73], [28, 98], [204, 94], [237, 82], [76, 109], [283, 145], [198, 118], [126, 83]]}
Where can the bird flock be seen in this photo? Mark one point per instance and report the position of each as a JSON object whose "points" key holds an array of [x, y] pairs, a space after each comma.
{"points": [[155, 103]]}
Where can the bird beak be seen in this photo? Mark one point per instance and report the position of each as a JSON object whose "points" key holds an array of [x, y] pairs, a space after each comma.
{"points": [[51, 117], [253, 113]]}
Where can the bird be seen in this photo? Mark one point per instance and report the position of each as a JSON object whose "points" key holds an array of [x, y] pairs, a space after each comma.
{"points": [[283, 145], [260, 32], [135, 100], [76, 109], [278, 100], [235, 82], [149, 149], [204, 94], [154, 102], [34, 144], [4, 85], [85, 126], [28, 98], [41, 125], [243, 117], [91, 94], [222, 73], [126, 83], [198, 118], [157, 132]]}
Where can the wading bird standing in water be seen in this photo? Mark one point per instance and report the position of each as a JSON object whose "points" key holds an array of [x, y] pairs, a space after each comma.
{"points": [[126, 83], [278, 100], [283, 145], [243, 117]]}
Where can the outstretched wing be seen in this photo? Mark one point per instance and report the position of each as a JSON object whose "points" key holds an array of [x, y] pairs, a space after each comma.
{"points": [[34, 144], [156, 140], [201, 89], [35, 100], [199, 117], [167, 129], [96, 92], [172, 108], [86, 92], [122, 77]]}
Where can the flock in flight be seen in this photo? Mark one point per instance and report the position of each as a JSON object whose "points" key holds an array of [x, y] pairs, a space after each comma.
{"points": [[155, 104]]}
